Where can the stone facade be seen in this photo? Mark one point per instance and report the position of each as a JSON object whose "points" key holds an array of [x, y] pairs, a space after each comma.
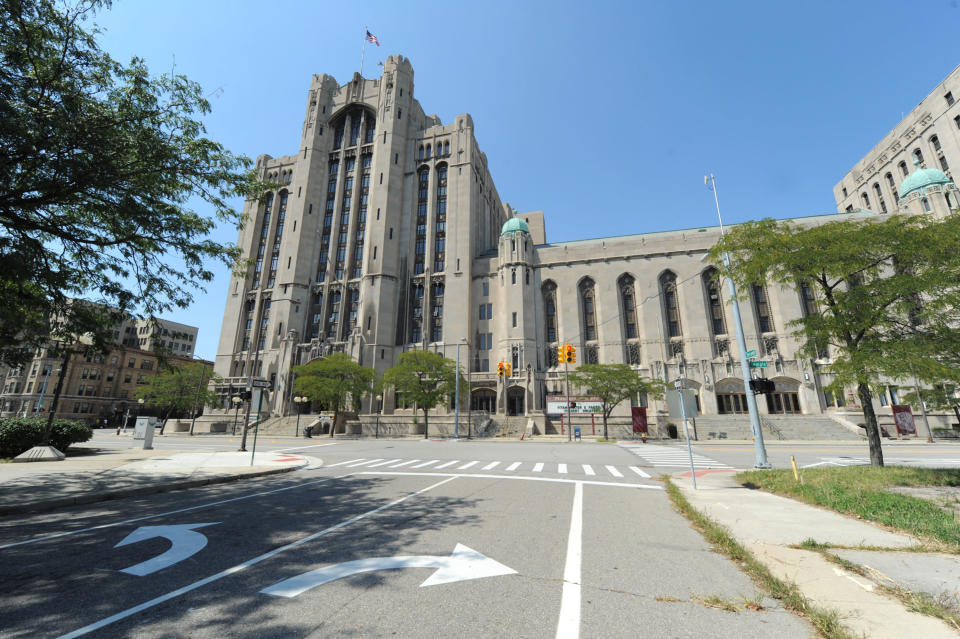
{"points": [[386, 233]]}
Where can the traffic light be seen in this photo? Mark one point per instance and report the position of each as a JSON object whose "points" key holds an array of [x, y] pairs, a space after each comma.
{"points": [[500, 369], [571, 354], [761, 386], [562, 354], [507, 369]]}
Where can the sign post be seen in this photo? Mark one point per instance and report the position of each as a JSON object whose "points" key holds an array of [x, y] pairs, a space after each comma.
{"points": [[686, 432], [261, 385]]}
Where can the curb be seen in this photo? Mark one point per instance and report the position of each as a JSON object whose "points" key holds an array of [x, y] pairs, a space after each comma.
{"points": [[45, 505]]}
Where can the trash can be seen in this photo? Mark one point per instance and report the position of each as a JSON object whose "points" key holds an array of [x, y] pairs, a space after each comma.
{"points": [[308, 432]]}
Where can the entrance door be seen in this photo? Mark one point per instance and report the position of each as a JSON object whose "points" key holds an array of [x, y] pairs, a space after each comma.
{"points": [[483, 400], [515, 401], [783, 403], [728, 403]]}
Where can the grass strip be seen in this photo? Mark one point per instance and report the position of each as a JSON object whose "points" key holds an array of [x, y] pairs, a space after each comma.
{"points": [[826, 622], [861, 491]]}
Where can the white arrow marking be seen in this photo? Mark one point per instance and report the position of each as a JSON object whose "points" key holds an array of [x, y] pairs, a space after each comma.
{"points": [[184, 542], [462, 565]]}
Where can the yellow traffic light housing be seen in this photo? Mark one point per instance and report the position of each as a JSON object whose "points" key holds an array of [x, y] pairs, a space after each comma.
{"points": [[562, 354], [508, 370], [500, 369], [571, 354]]}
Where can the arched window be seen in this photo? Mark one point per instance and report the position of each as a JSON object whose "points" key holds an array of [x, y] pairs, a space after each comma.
{"points": [[671, 310], [428, 152], [587, 302], [949, 201], [416, 312], [629, 315], [420, 153], [513, 276], [893, 187], [935, 143], [371, 129], [446, 148], [866, 200], [761, 305], [550, 310], [436, 312], [876, 189], [918, 155], [711, 287], [903, 169], [926, 204], [268, 203]]}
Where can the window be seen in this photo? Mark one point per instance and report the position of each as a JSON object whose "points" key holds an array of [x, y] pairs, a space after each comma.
{"points": [[587, 308], [762, 307], [935, 143], [918, 155], [949, 98], [629, 313], [893, 187], [715, 316], [131, 362], [926, 204], [943, 163], [416, 313], [808, 302], [883, 205], [956, 121], [486, 289], [514, 320], [436, 312], [903, 168], [866, 200], [671, 312], [844, 191]]}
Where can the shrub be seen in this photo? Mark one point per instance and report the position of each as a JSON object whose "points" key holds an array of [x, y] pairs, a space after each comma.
{"points": [[18, 435]]}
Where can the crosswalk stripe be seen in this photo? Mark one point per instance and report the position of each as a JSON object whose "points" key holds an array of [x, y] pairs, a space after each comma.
{"points": [[588, 469], [468, 465], [513, 466], [364, 463], [491, 465], [562, 469], [614, 471], [538, 467], [449, 463], [389, 461], [406, 463], [427, 463], [349, 461], [639, 472]]}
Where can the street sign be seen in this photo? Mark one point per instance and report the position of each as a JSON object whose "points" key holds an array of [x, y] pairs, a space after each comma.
{"points": [[751, 353], [260, 383], [760, 364]]}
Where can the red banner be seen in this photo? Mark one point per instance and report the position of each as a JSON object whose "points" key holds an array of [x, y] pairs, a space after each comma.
{"points": [[903, 417], [639, 414]]}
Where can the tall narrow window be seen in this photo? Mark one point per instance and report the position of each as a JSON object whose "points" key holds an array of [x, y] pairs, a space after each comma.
{"points": [[587, 301], [439, 256], [879, 193], [416, 312], [436, 312], [903, 169], [629, 314], [893, 187], [671, 311], [419, 258], [715, 318], [333, 314], [550, 310], [935, 143], [918, 155], [762, 306]]}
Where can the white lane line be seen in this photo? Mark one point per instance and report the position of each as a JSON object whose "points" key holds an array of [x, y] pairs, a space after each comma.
{"points": [[427, 463], [235, 569], [588, 469], [406, 463], [538, 467], [449, 463], [283, 450], [169, 512], [349, 461], [513, 466], [384, 463], [562, 469], [568, 625], [639, 472], [614, 471], [556, 480], [364, 463], [466, 466], [491, 466]]}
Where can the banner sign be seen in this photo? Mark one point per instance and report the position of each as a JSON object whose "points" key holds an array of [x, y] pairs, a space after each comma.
{"points": [[639, 415], [903, 417], [557, 405]]}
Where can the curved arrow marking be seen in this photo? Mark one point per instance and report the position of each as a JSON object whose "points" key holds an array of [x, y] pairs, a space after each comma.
{"points": [[184, 542], [463, 564]]}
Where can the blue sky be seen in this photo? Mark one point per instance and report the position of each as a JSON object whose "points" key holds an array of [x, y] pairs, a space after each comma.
{"points": [[605, 115]]}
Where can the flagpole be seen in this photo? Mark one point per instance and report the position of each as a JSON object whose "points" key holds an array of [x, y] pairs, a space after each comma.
{"points": [[363, 50]]}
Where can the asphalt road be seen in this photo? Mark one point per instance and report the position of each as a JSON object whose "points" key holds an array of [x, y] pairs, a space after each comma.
{"points": [[508, 540]]}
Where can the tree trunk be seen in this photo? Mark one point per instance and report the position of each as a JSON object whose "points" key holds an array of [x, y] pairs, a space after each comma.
{"points": [[426, 425], [873, 428], [605, 413], [56, 398]]}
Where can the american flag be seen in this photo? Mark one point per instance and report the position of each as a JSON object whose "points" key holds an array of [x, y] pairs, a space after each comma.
{"points": [[372, 38]]}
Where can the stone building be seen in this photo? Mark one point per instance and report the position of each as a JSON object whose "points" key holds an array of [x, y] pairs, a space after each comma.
{"points": [[386, 233]]}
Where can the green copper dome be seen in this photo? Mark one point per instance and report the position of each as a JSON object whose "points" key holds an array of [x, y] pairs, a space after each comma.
{"points": [[513, 225], [922, 178]]}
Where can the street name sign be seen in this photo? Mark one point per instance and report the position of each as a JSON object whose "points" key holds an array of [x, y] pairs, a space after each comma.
{"points": [[760, 364], [751, 353]]}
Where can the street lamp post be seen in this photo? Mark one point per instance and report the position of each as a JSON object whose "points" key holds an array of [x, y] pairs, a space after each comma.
{"points": [[236, 403], [376, 432], [760, 450]]}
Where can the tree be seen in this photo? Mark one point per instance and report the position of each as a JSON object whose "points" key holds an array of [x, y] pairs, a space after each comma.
{"points": [[101, 161], [178, 390], [336, 380], [876, 284], [613, 383], [424, 378]]}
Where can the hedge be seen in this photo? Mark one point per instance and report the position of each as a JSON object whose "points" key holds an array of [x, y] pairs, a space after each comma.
{"points": [[19, 434]]}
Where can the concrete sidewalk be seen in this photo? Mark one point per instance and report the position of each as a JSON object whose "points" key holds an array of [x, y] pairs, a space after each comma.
{"points": [[770, 526], [96, 474]]}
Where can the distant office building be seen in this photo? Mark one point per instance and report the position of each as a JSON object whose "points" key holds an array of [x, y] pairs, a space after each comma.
{"points": [[386, 233]]}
